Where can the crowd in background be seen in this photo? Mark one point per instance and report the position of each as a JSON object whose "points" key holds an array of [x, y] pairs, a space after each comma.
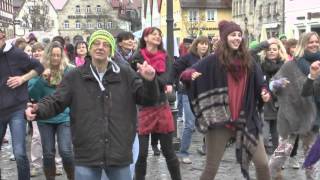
{"points": [[262, 96]]}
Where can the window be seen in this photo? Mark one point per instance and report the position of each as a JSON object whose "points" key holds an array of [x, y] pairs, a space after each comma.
{"points": [[66, 24], [193, 15], [211, 14], [260, 11], [78, 25], [99, 25], [269, 9], [77, 9], [89, 25], [88, 9], [99, 9], [109, 25], [244, 7], [275, 8]]}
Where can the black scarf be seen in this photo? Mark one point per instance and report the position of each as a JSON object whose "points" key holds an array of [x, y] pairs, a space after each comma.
{"points": [[270, 68]]}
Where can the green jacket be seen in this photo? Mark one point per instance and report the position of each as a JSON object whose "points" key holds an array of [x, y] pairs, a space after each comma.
{"points": [[39, 88]]}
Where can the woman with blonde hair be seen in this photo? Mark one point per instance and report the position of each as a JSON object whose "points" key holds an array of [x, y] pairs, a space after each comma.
{"points": [[56, 66], [297, 114], [199, 49], [271, 58]]}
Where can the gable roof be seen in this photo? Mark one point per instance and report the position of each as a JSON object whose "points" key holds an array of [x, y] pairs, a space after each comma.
{"points": [[17, 3], [58, 4], [215, 4], [132, 5]]}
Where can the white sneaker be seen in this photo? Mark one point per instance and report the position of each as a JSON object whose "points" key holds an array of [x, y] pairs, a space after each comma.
{"points": [[294, 163], [185, 160], [180, 119], [59, 171]]}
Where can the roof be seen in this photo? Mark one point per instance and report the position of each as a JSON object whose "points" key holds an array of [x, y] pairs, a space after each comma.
{"points": [[215, 4], [58, 4], [135, 4]]}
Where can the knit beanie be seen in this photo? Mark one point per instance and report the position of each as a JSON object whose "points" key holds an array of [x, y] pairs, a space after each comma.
{"points": [[282, 36], [227, 27], [187, 40], [253, 44], [105, 35]]}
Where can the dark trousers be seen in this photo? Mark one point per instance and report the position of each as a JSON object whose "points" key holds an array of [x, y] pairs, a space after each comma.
{"points": [[295, 148], [167, 151], [154, 139]]}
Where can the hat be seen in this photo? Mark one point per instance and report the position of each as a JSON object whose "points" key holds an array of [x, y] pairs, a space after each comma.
{"points": [[227, 27], [253, 44], [282, 36], [187, 40], [105, 35]]}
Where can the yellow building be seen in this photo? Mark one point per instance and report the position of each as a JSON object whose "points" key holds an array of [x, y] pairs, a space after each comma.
{"points": [[196, 17]]}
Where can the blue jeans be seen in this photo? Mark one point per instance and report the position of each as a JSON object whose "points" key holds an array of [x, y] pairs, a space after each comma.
{"points": [[189, 125], [17, 125], [48, 134], [135, 152], [179, 104], [94, 173]]}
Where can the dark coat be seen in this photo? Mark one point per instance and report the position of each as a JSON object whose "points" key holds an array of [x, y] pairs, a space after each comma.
{"points": [[213, 84], [14, 62], [179, 66], [103, 123], [269, 69]]}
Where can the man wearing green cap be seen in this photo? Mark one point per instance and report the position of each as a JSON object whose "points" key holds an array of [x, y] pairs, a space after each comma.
{"points": [[102, 98]]}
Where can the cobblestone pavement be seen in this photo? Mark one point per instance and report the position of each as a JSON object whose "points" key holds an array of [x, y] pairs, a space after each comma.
{"points": [[228, 170]]}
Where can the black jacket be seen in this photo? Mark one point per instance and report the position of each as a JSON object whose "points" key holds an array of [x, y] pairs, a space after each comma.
{"points": [[179, 66], [103, 123], [14, 62]]}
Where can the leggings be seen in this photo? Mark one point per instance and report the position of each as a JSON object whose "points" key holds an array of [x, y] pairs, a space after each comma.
{"points": [[216, 140]]}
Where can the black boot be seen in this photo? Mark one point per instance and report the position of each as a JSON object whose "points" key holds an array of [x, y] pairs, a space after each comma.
{"points": [[174, 169], [50, 173], [69, 171], [156, 151]]}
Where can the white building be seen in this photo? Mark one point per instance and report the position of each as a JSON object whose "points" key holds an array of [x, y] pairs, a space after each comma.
{"points": [[25, 18], [302, 16]]}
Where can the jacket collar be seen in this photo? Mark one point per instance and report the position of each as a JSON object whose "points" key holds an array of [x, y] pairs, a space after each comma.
{"points": [[86, 73], [7, 47]]}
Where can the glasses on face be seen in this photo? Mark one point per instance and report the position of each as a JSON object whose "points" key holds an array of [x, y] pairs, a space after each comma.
{"points": [[99, 43]]}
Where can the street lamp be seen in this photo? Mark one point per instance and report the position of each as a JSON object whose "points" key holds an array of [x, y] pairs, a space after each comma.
{"points": [[246, 32]]}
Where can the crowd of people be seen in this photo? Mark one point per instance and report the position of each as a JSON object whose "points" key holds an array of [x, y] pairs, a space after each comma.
{"points": [[92, 105]]}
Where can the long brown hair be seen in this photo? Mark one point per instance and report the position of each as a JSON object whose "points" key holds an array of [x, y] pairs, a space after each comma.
{"points": [[226, 55]]}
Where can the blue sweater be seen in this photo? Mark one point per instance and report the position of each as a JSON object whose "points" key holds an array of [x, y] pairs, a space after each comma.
{"points": [[14, 62]]}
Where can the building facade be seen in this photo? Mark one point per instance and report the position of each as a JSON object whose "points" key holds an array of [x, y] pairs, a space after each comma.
{"points": [[6, 17], [196, 17], [84, 17], [302, 17], [256, 16], [129, 10], [36, 16]]}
